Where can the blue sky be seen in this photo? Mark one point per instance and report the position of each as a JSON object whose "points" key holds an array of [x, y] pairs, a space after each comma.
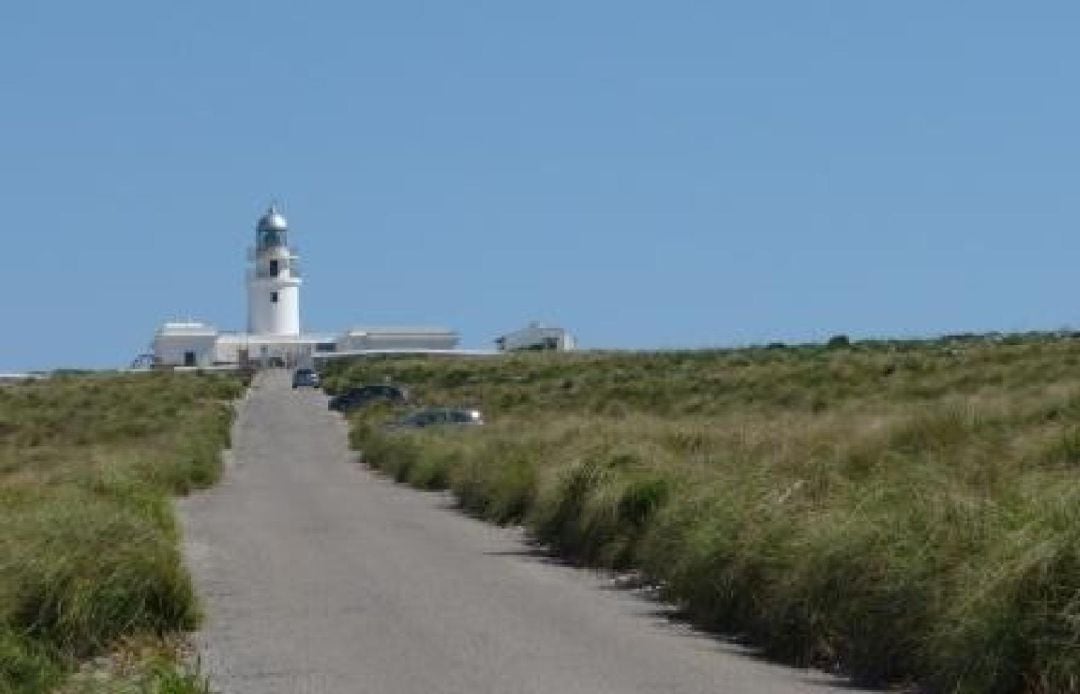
{"points": [[677, 174]]}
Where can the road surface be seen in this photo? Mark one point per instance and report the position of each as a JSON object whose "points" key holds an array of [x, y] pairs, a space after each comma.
{"points": [[318, 576]]}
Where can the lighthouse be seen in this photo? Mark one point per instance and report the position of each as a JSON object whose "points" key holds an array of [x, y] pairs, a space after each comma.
{"points": [[273, 336], [274, 279]]}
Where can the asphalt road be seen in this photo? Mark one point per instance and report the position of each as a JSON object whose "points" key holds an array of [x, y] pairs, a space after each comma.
{"points": [[317, 575]]}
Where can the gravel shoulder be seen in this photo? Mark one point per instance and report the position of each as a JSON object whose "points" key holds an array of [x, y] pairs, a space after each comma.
{"points": [[316, 575]]}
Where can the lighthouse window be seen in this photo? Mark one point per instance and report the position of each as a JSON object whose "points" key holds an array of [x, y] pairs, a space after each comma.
{"points": [[273, 297], [273, 268]]}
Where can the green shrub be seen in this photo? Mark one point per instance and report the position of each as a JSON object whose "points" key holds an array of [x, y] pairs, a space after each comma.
{"points": [[25, 664]]}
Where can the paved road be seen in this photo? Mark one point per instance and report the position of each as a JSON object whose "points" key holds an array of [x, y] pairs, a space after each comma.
{"points": [[319, 576]]}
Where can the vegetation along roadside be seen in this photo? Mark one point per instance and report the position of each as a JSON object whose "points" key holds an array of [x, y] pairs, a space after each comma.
{"points": [[90, 567], [905, 512]]}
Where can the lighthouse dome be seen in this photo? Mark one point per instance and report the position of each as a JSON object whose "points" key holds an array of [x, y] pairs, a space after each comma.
{"points": [[272, 221]]}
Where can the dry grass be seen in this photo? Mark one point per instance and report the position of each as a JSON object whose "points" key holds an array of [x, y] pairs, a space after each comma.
{"points": [[900, 511], [89, 551]]}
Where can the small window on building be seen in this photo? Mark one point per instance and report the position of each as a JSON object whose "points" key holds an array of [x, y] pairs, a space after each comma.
{"points": [[325, 347], [273, 297], [273, 268], [189, 359]]}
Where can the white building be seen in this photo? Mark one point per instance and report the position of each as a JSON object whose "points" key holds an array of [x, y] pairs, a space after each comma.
{"points": [[273, 332], [536, 337], [187, 343]]}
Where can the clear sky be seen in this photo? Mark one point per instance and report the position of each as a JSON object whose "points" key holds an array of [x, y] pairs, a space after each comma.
{"points": [[647, 174]]}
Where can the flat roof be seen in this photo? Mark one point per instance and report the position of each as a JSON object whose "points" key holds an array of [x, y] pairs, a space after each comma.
{"points": [[399, 330], [253, 338], [187, 328]]}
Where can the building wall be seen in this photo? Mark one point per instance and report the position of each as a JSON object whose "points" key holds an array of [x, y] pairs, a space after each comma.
{"points": [[228, 351], [537, 337], [289, 354], [171, 350], [267, 317], [256, 349]]}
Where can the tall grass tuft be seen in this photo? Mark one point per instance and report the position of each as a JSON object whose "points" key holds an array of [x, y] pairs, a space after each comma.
{"points": [[89, 552], [899, 511]]}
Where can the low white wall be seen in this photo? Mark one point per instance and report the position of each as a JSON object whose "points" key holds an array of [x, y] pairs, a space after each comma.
{"points": [[349, 343]]}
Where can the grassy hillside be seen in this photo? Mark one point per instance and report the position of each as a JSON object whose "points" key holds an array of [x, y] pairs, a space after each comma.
{"points": [[901, 511], [89, 550]]}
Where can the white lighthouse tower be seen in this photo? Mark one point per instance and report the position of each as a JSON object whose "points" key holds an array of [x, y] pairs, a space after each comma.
{"points": [[273, 336], [274, 281]]}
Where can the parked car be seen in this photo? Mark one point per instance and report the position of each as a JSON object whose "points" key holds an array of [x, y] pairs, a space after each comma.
{"points": [[305, 378], [439, 416], [365, 395]]}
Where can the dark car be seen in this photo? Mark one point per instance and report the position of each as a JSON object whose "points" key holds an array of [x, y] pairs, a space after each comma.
{"points": [[362, 396], [305, 378], [439, 416]]}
